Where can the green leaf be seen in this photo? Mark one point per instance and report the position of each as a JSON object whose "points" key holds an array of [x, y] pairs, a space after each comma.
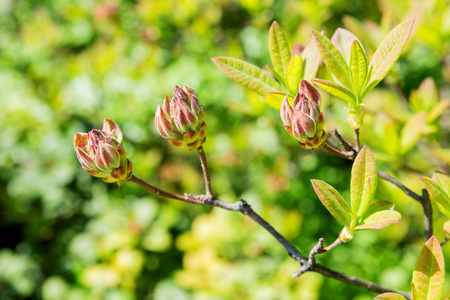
{"points": [[247, 74], [444, 182], [390, 138], [311, 61], [294, 73], [358, 67], [447, 226], [279, 48], [437, 110], [337, 90], [378, 206], [379, 220], [425, 97], [390, 296], [412, 131], [274, 99], [387, 53], [429, 273], [363, 183], [332, 58], [438, 194], [333, 202], [277, 75], [343, 39]]}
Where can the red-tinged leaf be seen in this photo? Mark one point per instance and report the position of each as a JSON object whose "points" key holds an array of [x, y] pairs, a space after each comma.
{"points": [[343, 39], [390, 296], [358, 67], [311, 61], [336, 90], [412, 131], [247, 74], [363, 183], [429, 273], [274, 99], [378, 206], [333, 202], [387, 53], [447, 226], [379, 220], [279, 48], [437, 194], [332, 58], [294, 73]]}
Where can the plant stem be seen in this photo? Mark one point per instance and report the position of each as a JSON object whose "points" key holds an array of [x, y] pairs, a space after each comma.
{"points": [[332, 149], [343, 142], [201, 153], [357, 145]]}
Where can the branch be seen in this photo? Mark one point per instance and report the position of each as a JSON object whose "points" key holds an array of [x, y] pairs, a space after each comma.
{"points": [[201, 153], [357, 146], [344, 154], [343, 142]]}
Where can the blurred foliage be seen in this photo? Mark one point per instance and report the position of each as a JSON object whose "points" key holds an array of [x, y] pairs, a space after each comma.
{"points": [[66, 65]]}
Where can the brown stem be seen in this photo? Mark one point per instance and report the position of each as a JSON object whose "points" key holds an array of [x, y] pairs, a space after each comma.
{"points": [[445, 240], [332, 149], [201, 153], [341, 140], [337, 242], [357, 145]]}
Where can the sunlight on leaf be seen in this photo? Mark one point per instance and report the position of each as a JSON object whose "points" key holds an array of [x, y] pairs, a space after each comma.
{"points": [[294, 74], [336, 90], [437, 194], [279, 48], [390, 296], [412, 131], [358, 67], [379, 220]]}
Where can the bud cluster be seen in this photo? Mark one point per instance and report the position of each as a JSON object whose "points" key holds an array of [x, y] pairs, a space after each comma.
{"points": [[303, 120], [101, 153], [181, 119]]}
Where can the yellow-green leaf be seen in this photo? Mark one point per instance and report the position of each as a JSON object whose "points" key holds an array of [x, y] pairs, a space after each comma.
{"points": [[332, 58], [444, 182], [390, 296], [343, 39], [378, 206], [274, 99], [294, 73], [412, 131], [387, 53], [425, 97], [429, 273], [363, 183], [279, 48], [337, 90], [447, 226], [333, 202], [438, 194], [311, 61], [277, 75], [379, 220], [247, 74], [358, 67]]}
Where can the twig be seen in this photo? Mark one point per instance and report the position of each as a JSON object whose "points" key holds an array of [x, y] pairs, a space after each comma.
{"points": [[201, 153], [332, 149], [343, 142], [337, 242], [357, 146], [445, 240]]}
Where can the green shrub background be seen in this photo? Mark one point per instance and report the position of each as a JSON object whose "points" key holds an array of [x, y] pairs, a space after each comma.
{"points": [[67, 65]]}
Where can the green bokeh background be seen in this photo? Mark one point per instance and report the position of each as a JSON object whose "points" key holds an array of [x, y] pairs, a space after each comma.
{"points": [[67, 65]]}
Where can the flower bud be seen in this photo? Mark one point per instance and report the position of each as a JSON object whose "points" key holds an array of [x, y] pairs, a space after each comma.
{"points": [[101, 154], [182, 121], [304, 121]]}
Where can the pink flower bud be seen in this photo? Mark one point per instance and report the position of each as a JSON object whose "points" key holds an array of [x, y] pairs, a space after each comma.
{"points": [[310, 92], [286, 112], [101, 153], [303, 126]]}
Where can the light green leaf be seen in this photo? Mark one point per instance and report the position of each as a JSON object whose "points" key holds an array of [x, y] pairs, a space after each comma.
{"points": [[444, 182], [279, 48], [332, 58], [311, 61], [247, 74], [343, 39], [337, 90], [294, 74], [447, 226], [378, 206], [379, 220], [387, 53], [333, 202], [277, 75], [358, 67], [429, 273], [390, 139], [390, 296], [438, 194], [437, 110], [363, 183], [360, 30], [412, 131], [425, 97], [274, 99]]}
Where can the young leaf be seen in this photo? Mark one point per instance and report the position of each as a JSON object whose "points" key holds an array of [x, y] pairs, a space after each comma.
{"points": [[333, 202], [343, 39], [332, 58], [358, 67], [429, 273], [337, 90], [279, 48], [390, 296], [425, 97], [412, 131], [443, 181], [363, 183], [277, 75], [438, 194], [387, 53], [274, 99], [379, 220], [447, 226], [247, 74], [378, 206], [311, 61], [294, 73]]}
